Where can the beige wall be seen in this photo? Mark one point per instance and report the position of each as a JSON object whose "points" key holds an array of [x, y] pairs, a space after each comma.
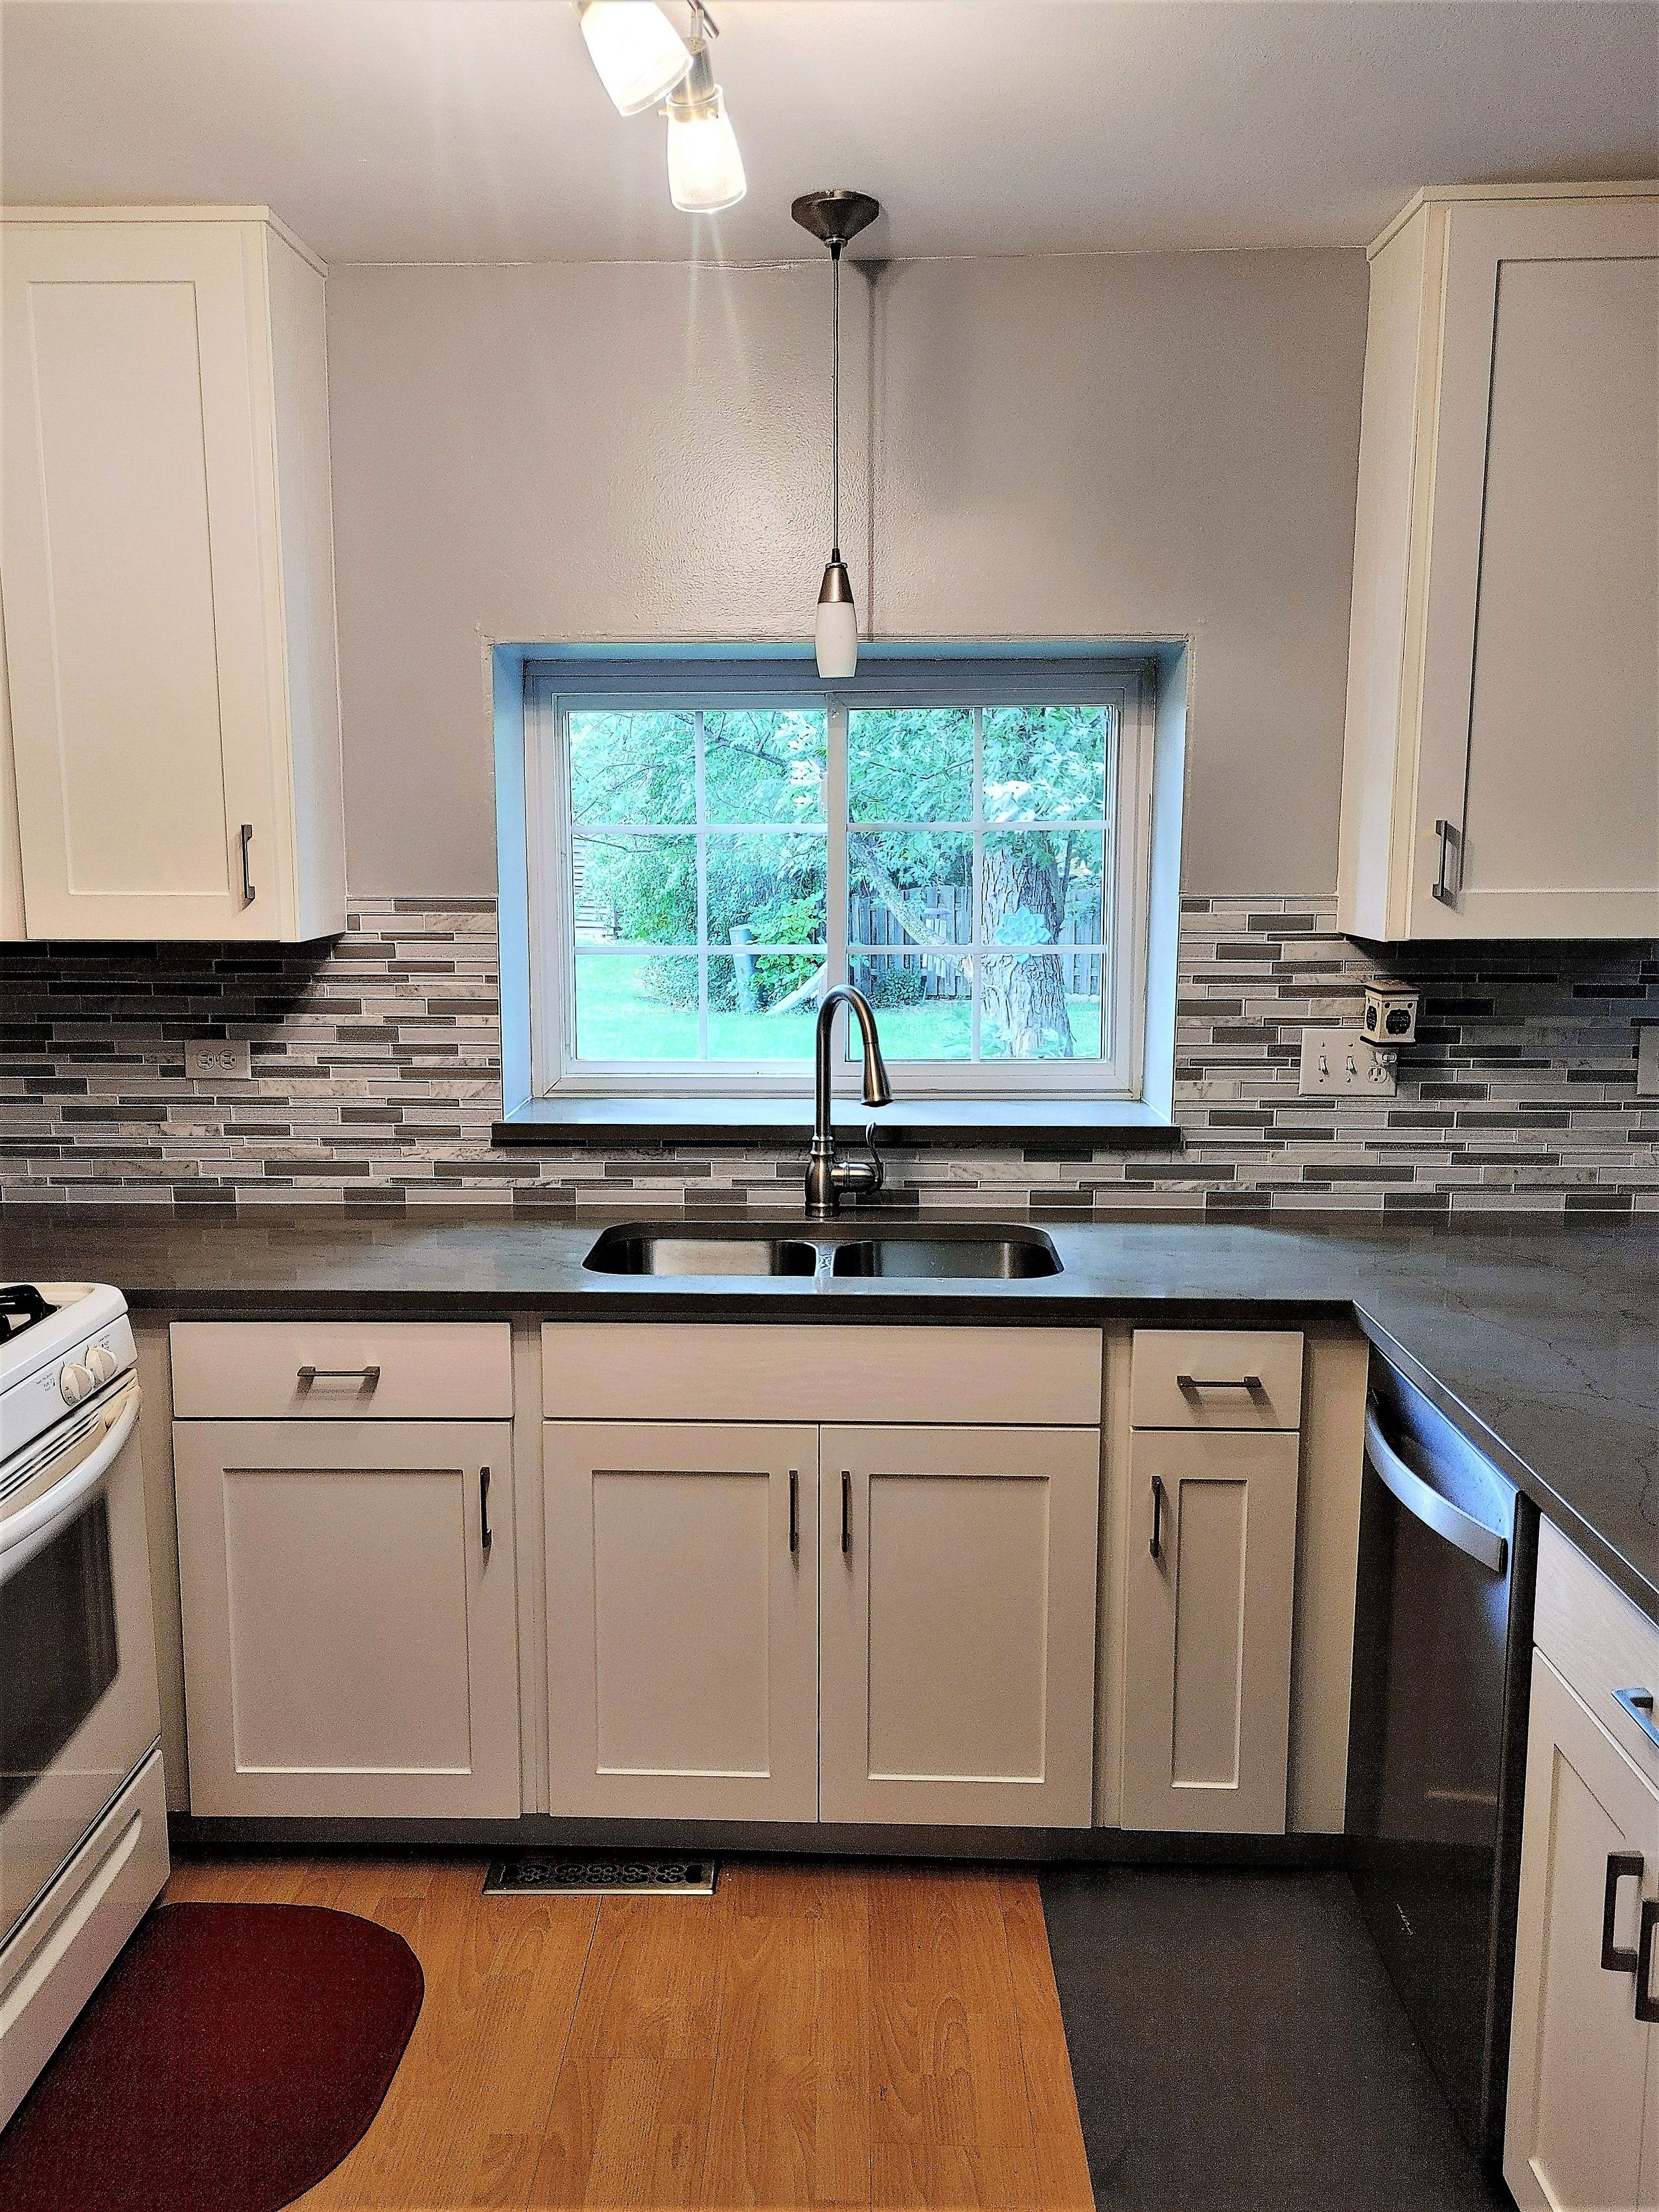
{"points": [[1147, 446]]}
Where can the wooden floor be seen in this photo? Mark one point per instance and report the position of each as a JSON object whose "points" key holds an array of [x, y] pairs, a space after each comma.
{"points": [[812, 2035]]}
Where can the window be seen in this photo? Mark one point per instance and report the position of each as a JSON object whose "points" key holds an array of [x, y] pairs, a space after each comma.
{"points": [[965, 841]]}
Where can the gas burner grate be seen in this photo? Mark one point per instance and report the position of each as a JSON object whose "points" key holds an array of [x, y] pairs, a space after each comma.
{"points": [[20, 1306], [601, 1874]]}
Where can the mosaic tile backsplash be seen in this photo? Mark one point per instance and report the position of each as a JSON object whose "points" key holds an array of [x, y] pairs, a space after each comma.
{"points": [[376, 1077]]}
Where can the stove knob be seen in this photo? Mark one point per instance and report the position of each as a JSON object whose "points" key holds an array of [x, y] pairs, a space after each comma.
{"points": [[101, 1363], [74, 1382]]}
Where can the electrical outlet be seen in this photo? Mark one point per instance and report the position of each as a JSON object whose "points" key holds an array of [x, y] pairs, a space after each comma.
{"points": [[227, 1058], [1344, 1062], [1647, 1060]]}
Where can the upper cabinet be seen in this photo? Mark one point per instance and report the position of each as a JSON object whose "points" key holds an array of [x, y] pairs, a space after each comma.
{"points": [[166, 546], [1501, 777]]}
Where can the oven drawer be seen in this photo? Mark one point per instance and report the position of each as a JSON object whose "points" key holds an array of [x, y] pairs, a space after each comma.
{"points": [[321, 1370]]}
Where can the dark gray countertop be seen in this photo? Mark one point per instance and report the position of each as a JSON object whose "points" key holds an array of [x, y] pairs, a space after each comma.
{"points": [[1540, 1342]]}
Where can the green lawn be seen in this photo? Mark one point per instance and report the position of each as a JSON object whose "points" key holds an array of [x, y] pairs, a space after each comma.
{"points": [[616, 1020]]}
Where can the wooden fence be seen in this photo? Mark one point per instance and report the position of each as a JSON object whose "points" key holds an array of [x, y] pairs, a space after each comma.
{"points": [[948, 911]]}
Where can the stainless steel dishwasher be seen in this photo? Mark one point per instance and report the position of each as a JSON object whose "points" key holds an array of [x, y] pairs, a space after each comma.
{"points": [[1437, 1749]]}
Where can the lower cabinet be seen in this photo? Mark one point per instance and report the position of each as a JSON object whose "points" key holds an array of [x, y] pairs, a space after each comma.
{"points": [[349, 1617], [682, 1575], [1209, 1601], [794, 1623], [1583, 2127], [957, 1645]]}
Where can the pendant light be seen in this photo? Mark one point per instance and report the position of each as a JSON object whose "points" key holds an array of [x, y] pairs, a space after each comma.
{"points": [[833, 218], [638, 54], [705, 169]]}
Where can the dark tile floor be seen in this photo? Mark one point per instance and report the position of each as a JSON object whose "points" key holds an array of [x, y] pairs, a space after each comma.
{"points": [[1238, 2047]]}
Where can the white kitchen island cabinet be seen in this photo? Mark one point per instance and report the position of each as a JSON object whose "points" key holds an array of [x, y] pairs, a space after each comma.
{"points": [[1501, 765], [1581, 2129], [165, 537], [349, 1617]]}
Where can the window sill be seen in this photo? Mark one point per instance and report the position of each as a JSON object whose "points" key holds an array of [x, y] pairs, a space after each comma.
{"points": [[1080, 1125]]}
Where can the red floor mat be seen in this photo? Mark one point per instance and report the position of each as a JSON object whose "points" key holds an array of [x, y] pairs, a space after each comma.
{"points": [[233, 2056]]}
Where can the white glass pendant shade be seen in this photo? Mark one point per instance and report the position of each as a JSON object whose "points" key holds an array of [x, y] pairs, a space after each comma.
{"points": [[638, 54], [705, 169], [836, 631]]}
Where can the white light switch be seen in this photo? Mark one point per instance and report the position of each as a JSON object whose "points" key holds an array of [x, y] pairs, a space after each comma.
{"points": [[226, 1057], [1344, 1062], [1647, 1060]]}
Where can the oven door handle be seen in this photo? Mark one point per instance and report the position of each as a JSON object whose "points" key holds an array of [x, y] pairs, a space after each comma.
{"points": [[1472, 1537], [31, 1529]]}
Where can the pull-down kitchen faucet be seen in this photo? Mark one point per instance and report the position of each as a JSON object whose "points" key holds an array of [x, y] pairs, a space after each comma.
{"points": [[827, 1177]]}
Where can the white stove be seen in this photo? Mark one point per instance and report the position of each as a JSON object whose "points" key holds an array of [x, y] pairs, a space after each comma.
{"points": [[82, 1807]]}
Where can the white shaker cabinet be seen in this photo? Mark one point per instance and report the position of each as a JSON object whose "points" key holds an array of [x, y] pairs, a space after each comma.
{"points": [[681, 1589], [957, 1648], [1501, 770], [1582, 2131], [349, 1617], [166, 543]]}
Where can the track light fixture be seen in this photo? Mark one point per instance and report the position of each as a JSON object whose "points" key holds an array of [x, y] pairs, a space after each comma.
{"points": [[642, 60]]}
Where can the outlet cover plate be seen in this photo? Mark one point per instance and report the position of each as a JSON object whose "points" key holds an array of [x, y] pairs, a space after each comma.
{"points": [[1647, 1060], [226, 1059], [1344, 1062]]}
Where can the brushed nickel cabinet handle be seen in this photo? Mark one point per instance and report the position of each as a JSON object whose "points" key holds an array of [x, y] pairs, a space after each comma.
{"points": [[1218, 1382], [1639, 1704], [1443, 888], [794, 1509], [1647, 2005], [1617, 1958], [846, 1510], [245, 838], [368, 1376], [485, 1538], [1157, 1545]]}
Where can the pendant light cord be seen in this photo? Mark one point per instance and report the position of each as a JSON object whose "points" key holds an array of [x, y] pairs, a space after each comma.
{"points": [[834, 403]]}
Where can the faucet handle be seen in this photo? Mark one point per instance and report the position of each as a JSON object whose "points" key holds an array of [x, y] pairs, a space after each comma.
{"points": [[860, 1177]]}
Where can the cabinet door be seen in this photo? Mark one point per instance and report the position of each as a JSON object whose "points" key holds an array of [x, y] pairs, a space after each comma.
{"points": [[957, 1645], [1541, 682], [1209, 1595], [1583, 2068], [351, 1638], [681, 1611]]}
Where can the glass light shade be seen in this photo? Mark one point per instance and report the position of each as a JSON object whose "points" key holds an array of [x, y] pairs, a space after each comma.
{"points": [[638, 54], [836, 639], [705, 169]]}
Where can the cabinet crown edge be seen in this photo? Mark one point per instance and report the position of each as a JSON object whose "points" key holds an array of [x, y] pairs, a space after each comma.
{"points": [[1610, 188], [269, 216]]}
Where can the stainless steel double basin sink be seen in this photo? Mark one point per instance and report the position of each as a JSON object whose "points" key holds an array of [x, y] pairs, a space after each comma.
{"points": [[942, 1252]]}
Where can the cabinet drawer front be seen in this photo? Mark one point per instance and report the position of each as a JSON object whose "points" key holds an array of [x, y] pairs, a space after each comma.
{"points": [[1212, 1379], [341, 1370], [1599, 1641], [699, 1372]]}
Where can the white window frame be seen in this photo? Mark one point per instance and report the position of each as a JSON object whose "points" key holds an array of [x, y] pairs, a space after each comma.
{"points": [[1126, 687]]}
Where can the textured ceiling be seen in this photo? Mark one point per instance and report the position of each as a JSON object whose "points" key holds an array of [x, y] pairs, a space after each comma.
{"points": [[475, 129]]}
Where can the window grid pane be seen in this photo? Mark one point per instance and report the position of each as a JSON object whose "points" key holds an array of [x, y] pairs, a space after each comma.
{"points": [[912, 956]]}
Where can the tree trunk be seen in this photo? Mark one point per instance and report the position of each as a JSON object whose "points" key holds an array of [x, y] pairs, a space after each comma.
{"points": [[1025, 993]]}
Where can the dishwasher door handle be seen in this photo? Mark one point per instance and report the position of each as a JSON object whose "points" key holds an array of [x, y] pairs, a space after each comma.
{"points": [[1420, 1500]]}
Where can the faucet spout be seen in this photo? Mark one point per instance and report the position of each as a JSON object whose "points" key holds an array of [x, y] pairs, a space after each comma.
{"points": [[827, 1178]]}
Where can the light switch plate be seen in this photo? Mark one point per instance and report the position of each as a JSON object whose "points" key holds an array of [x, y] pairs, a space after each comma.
{"points": [[226, 1057], [1344, 1062], [1647, 1060]]}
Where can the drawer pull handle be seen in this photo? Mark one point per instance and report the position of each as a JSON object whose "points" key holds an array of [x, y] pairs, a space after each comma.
{"points": [[1639, 1704], [1647, 2005], [846, 1510], [1218, 1382], [368, 1376], [1617, 1958], [794, 1509], [1157, 1545], [485, 1538]]}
